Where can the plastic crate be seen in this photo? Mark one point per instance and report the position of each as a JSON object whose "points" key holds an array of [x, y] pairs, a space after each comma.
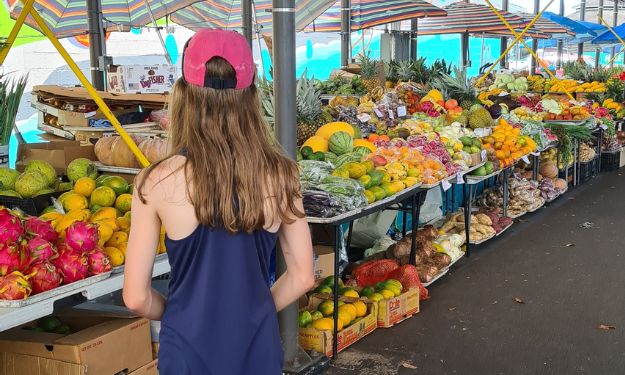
{"points": [[31, 206], [610, 161], [587, 171]]}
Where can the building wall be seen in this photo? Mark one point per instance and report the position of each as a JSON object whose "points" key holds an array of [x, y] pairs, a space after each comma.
{"points": [[592, 12]]}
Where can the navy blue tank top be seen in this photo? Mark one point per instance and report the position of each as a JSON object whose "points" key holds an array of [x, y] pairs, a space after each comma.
{"points": [[220, 318]]}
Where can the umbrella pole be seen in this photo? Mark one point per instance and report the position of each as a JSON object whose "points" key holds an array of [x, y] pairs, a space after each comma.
{"points": [[96, 42], [560, 41], [582, 17], [598, 49], [482, 52], [246, 18], [414, 28], [158, 31], [614, 23], [617, 37], [346, 28], [464, 50], [504, 40], [535, 41]]}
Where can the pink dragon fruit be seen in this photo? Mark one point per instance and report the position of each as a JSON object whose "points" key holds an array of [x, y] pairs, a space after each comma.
{"points": [[12, 258], [73, 266], [82, 236], [99, 262], [35, 227], [40, 250], [14, 286], [10, 227], [44, 276]]}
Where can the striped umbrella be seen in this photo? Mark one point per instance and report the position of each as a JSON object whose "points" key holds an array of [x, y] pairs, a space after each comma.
{"points": [[469, 18], [545, 25], [226, 14], [69, 17], [370, 13]]}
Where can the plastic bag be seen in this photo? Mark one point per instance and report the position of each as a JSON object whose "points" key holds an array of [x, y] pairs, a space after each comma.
{"points": [[161, 118], [314, 171]]}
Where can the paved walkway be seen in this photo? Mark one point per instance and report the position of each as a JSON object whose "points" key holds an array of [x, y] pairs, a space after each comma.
{"points": [[529, 303]]}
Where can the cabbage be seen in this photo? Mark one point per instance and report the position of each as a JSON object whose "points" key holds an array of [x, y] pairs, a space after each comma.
{"points": [[551, 106]]}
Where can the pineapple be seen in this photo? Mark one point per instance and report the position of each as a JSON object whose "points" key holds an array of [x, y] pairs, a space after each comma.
{"points": [[309, 109], [405, 71], [420, 72], [368, 72], [457, 87]]}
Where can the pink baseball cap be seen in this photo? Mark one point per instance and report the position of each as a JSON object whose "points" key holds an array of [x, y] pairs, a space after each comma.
{"points": [[229, 45]]}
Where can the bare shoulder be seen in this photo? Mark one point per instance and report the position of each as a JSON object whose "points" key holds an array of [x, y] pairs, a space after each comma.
{"points": [[163, 179]]}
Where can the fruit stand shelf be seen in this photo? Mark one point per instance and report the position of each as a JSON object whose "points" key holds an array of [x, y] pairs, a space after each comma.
{"points": [[111, 169], [442, 273], [13, 317], [474, 180]]}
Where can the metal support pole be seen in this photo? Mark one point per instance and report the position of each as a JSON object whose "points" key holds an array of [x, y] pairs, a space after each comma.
{"points": [[582, 17], [346, 33], [506, 176], [468, 198], [464, 49], [598, 50], [504, 39], [96, 43], [414, 27], [246, 18], [158, 32], [560, 41], [614, 23], [534, 64]]}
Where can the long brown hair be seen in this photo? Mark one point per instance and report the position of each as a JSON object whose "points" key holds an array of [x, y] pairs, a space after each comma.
{"points": [[232, 167]]}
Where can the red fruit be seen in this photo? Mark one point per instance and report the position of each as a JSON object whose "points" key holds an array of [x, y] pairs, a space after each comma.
{"points": [[82, 236], [40, 250], [11, 229], [378, 161], [12, 258], [99, 262], [44, 276], [73, 266], [36, 227], [451, 103], [14, 286]]}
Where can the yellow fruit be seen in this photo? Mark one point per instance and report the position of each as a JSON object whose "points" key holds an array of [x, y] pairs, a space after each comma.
{"points": [[387, 294], [105, 233], [394, 289], [376, 297], [123, 223], [84, 186], [351, 293], [110, 222], [64, 196], [104, 213], [345, 318], [326, 308], [326, 324], [117, 238], [52, 217], [350, 310], [123, 203], [70, 218], [122, 247], [75, 202], [103, 196], [116, 255], [317, 143], [327, 130], [361, 308]]}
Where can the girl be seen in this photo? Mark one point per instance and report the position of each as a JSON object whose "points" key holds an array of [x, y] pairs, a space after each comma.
{"points": [[224, 196]]}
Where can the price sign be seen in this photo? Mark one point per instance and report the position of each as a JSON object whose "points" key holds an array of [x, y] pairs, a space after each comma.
{"points": [[363, 117], [479, 132], [483, 154], [378, 113], [445, 185], [525, 159], [460, 178], [90, 114], [604, 127], [391, 115], [402, 111]]}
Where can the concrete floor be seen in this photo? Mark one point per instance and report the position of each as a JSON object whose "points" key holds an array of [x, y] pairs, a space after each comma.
{"points": [[570, 279]]}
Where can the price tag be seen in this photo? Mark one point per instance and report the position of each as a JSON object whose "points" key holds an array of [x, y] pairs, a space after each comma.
{"points": [[379, 114], [402, 111], [460, 178], [525, 159], [483, 154], [603, 126], [479, 132], [90, 114], [445, 185], [363, 117], [536, 153], [504, 93], [391, 115]]}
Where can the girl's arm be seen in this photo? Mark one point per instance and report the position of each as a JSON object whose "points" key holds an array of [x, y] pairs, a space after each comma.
{"points": [[296, 247], [144, 236]]}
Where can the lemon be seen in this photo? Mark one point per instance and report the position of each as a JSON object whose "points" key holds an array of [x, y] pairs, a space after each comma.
{"points": [[85, 186], [345, 318], [361, 308], [387, 294], [117, 257], [394, 289], [376, 297], [326, 308], [351, 293], [305, 318], [350, 310]]}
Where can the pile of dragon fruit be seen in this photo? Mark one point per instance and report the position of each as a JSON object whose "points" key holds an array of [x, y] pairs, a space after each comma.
{"points": [[34, 258], [435, 149]]}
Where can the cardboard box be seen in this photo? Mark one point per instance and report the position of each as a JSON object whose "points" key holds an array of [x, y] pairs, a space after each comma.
{"points": [[622, 160], [102, 344], [58, 153], [149, 369], [321, 341], [324, 261], [398, 309], [140, 78]]}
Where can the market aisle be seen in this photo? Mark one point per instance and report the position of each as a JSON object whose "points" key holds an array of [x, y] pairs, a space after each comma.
{"points": [[570, 280]]}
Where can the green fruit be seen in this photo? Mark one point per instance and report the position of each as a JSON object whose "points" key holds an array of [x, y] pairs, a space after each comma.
{"points": [[49, 209], [477, 143], [65, 186], [28, 184], [118, 184], [475, 150], [316, 315], [380, 286], [466, 141], [100, 180], [45, 191], [81, 167], [490, 168], [341, 143], [466, 149], [62, 329], [7, 178], [306, 152], [376, 297], [318, 156], [10, 193], [368, 291], [329, 281], [305, 318], [481, 171], [49, 323], [44, 168]]}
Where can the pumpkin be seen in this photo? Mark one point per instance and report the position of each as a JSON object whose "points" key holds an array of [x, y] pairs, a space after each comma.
{"points": [[327, 130], [365, 143], [549, 169], [317, 143], [154, 149], [103, 150], [122, 156], [341, 143]]}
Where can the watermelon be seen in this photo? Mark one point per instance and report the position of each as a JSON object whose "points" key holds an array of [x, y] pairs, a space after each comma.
{"points": [[331, 157], [362, 150], [347, 158], [341, 143]]}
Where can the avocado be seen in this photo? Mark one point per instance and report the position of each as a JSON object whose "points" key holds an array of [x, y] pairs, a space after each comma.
{"points": [[49, 323]]}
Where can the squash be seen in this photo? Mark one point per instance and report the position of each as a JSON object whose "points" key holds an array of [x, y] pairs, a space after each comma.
{"points": [[122, 156], [317, 143], [154, 149], [103, 150], [365, 143], [549, 169], [341, 143], [327, 130]]}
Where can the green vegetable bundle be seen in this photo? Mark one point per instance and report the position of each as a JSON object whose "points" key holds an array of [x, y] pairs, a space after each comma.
{"points": [[11, 92]]}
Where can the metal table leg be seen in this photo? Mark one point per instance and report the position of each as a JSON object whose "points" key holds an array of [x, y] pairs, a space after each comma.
{"points": [[416, 200], [535, 166], [505, 174], [468, 198], [335, 289]]}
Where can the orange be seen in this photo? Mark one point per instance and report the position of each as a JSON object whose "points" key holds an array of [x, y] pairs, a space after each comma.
{"points": [[85, 186], [75, 202]]}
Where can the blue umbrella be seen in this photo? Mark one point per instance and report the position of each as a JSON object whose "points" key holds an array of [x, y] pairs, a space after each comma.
{"points": [[608, 38], [579, 29]]}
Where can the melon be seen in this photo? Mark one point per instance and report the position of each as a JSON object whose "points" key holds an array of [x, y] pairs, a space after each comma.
{"points": [[7, 178], [341, 143], [327, 130], [81, 167], [28, 184]]}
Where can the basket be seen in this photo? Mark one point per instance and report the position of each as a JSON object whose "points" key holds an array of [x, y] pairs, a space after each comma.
{"points": [[610, 161], [31, 206]]}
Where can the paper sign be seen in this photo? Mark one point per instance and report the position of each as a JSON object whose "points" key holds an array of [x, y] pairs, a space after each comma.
{"points": [[401, 111], [391, 115], [504, 93], [536, 153], [525, 159], [479, 132], [483, 154], [379, 114], [603, 126], [363, 117], [459, 178], [90, 114], [445, 185]]}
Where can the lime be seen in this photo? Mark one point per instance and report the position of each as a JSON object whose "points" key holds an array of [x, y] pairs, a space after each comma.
{"points": [[305, 318]]}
